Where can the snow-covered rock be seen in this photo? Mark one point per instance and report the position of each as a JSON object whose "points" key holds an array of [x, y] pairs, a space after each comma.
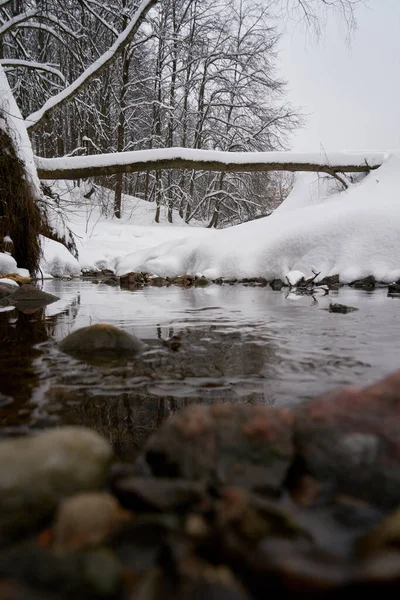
{"points": [[57, 261]]}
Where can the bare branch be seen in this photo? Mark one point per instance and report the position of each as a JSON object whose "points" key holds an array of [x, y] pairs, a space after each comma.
{"points": [[97, 67]]}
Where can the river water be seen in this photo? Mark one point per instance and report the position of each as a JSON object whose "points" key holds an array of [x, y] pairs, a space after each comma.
{"points": [[236, 344]]}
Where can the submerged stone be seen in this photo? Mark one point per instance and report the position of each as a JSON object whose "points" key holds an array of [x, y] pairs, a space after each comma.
{"points": [[246, 445], [36, 472], [341, 308], [99, 339]]}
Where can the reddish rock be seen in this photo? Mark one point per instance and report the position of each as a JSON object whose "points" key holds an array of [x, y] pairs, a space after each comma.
{"points": [[350, 440], [246, 445]]}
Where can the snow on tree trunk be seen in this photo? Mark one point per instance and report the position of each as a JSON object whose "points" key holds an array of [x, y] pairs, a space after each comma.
{"points": [[20, 217]]}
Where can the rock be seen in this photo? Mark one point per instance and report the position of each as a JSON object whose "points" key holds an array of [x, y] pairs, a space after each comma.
{"points": [[383, 537], [134, 279], [29, 294], [367, 283], [111, 281], [350, 441], [157, 494], [36, 472], [255, 281], [201, 281], [277, 284], [173, 342], [332, 281], [5, 290], [341, 308], [394, 288], [86, 520], [183, 280], [101, 339], [246, 445], [158, 281]]}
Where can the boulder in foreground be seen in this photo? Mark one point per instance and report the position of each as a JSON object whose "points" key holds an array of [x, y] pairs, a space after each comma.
{"points": [[36, 472]]}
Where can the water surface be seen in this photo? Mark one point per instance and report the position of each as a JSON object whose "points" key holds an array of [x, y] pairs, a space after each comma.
{"points": [[237, 344]]}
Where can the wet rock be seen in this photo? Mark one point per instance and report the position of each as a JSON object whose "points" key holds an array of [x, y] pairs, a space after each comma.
{"points": [[255, 281], [394, 288], [29, 296], [201, 282], [134, 279], [350, 441], [247, 445], [111, 281], [5, 290], [86, 520], [173, 342], [101, 339], [36, 472], [341, 308], [277, 284], [184, 280], [157, 494], [367, 283], [158, 281], [332, 281]]}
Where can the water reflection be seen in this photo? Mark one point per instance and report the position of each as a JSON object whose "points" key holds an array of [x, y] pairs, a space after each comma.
{"points": [[233, 345]]}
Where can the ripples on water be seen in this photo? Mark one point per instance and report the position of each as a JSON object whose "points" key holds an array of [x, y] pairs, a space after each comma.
{"points": [[237, 344]]}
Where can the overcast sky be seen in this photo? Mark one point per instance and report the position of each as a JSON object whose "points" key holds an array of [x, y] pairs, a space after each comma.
{"points": [[350, 91]]}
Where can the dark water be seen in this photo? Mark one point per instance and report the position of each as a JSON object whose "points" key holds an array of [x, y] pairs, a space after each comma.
{"points": [[237, 344]]}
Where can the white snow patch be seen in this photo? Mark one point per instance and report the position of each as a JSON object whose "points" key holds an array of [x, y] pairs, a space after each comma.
{"points": [[7, 264], [7, 281], [354, 233], [57, 260], [294, 277]]}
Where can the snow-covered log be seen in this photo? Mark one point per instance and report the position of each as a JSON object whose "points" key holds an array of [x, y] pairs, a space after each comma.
{"points": [[205, 160]]}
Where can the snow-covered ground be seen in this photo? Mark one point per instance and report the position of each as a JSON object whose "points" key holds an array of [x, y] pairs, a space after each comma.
{"points": [[102, 242], [352, 233]]}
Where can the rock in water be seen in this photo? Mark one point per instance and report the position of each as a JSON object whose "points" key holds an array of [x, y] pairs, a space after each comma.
{"points": [[99, 339], [29, 296], [37, 472], [249, 446], [349, 441]]}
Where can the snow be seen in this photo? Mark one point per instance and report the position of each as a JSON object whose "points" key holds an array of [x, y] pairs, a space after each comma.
{"points": [[7, 264], [57, 261], [13, 123], [354, 233], [103, 241], [5, 280]]}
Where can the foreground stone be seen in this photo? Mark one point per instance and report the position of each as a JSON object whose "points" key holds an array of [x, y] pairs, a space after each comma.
{"points": [[350, 441], [101, 339], [37, 472], [86, 520], [250, 446]]}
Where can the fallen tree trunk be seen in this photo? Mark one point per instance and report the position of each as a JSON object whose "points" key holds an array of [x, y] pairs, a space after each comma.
{"points": [[79, 167]]}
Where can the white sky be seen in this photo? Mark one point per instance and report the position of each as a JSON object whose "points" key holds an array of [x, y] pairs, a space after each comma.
{"points": [[351, 92]]}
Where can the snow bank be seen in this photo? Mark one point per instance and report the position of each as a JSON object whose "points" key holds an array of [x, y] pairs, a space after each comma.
{"points": [[7, 264], [56, 260], [103, 241], [353, 233]]}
